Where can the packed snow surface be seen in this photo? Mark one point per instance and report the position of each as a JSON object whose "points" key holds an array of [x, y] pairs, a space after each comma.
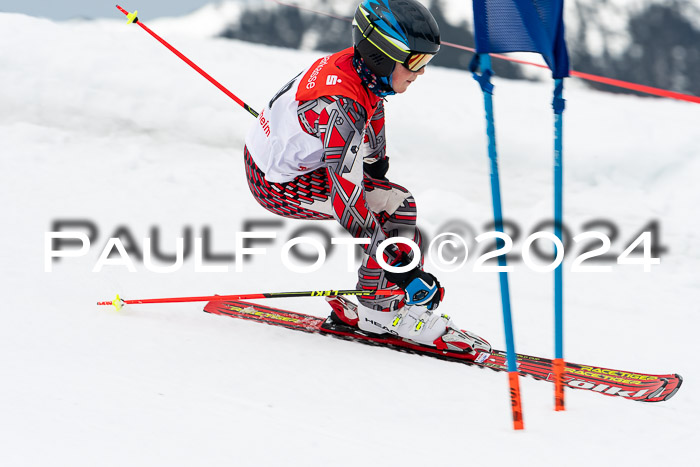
{"points": [[100, 123]]}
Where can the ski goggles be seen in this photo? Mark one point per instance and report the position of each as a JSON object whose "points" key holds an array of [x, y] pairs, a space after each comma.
{"points": [[417, 61], [392, 47]]}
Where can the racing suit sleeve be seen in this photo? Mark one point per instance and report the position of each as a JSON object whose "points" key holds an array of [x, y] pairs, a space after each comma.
{"points": [[341, 126], [376, 162]]}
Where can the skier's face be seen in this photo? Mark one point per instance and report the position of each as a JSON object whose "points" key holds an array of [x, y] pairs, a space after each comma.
{"points": [[403, 77]]}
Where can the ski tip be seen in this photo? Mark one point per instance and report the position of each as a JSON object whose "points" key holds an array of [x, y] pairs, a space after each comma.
{"points": [[678, 386]]}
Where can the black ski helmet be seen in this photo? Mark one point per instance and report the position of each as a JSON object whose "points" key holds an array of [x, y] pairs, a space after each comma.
{"points": [[386, 32]]}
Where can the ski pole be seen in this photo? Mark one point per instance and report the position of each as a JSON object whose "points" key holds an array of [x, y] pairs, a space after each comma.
{"points": [[118, 303], [132, 18]]}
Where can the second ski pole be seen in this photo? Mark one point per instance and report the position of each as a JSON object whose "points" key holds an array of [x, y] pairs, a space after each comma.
{"points": [[132, 18]]}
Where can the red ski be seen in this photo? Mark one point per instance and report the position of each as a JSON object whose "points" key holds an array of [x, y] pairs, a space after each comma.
{"points": [[627, 384]]}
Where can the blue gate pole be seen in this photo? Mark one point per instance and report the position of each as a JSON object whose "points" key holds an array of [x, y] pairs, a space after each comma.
{"points": [[558, 104], [484, 60]]}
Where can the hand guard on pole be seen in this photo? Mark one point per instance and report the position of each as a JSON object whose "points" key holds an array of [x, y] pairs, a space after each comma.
{"points": [[422, 288]]}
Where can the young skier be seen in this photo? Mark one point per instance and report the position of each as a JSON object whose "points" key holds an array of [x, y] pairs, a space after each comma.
{"points": [[318, 151]]}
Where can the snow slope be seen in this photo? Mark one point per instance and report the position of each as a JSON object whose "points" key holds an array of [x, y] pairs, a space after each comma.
{"points": [[99, 122]]}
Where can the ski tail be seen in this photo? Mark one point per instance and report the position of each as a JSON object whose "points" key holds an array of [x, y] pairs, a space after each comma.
{"points": [[265, 314]]}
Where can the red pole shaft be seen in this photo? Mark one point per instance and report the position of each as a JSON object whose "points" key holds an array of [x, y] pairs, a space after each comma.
{"points": [[193, 65], [208, 298]]}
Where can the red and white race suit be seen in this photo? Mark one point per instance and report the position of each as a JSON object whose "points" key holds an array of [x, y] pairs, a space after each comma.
{"points": [[306, 158]]}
